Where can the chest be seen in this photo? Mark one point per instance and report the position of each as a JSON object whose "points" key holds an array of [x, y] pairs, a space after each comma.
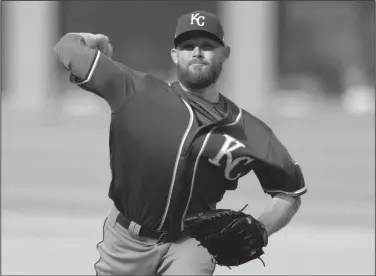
{"points": [[223, 153]]}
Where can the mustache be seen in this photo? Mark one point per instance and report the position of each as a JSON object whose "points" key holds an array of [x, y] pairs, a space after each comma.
{"points": [[198, 61]]}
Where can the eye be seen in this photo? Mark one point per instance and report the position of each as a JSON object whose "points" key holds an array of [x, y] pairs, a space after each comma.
{"points": [[207, 46], [187, 46]]}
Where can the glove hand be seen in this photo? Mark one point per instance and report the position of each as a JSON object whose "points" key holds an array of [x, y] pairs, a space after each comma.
{"points": [[261, 226], [98, 41], [232, 237]]}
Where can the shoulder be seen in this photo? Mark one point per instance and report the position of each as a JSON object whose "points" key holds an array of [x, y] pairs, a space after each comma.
{"points": [[252, 121], [141, 79], [130, 72], [249, 120], [150, 84]]}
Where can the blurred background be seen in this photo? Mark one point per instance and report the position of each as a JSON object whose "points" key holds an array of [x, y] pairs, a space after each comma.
{"points": [[306, 68]]}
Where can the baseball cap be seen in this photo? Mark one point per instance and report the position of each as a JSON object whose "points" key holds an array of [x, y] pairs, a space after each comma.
{"points": [[200, 21]]}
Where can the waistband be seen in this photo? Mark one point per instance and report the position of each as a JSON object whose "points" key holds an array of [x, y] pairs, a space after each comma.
{"points": [[115, 216]]}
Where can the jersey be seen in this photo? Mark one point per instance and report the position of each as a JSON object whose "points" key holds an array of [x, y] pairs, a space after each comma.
{"points": [[172, 154]]}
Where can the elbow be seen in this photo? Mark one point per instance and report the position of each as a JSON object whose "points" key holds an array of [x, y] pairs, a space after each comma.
{"points": [[67, 42], [62, 43], [61, 48], [297, 203], [57, 49], [59, 54], [67, 48], [292, 202], [292, 207]]}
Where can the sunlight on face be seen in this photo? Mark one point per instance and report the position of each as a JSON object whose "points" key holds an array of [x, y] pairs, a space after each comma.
{"points": [[199, 61]]}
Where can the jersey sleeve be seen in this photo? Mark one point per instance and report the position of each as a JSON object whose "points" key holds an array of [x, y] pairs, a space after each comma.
{"points": [[276, 170], [95, 72]]}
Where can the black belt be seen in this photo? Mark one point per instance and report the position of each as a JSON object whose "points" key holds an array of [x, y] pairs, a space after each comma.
{"points": [[161, 236]]}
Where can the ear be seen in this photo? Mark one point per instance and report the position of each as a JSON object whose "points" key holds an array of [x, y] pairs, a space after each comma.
{"points": [[226, 50], [174, 55]]}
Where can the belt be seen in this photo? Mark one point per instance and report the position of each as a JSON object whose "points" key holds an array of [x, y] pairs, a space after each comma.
{"points": [[161, 236]]}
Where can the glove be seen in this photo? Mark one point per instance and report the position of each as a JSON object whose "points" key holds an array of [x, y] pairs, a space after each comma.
{"points": [[231, 237], [98, 41]]}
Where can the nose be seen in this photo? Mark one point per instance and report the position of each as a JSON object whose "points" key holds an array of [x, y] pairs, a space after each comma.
{"points": [[197, 52]]}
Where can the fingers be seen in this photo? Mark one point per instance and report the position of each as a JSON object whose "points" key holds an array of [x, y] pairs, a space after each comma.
{"points": [[102, 38], [110, 50], [104, 46], [98, 41]]}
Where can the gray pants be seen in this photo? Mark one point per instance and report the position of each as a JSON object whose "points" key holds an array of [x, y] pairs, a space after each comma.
{"points": [[122, 252]]}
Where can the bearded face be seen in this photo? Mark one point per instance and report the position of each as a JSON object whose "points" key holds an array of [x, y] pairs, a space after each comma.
{"points": [[198, 61], [198, 74]]}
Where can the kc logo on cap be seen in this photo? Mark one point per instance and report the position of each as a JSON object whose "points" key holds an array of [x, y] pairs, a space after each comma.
{"points": [[197, 18], [199, 21]]}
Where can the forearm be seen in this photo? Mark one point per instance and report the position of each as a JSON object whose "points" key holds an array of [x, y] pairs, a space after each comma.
{"points": [[279, 212], [87, 57]]}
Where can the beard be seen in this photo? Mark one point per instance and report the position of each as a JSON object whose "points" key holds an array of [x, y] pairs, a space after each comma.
{"points": [[198, 77]]}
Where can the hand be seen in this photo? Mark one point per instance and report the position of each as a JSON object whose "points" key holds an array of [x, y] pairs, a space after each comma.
{"points": [[98, 41]]}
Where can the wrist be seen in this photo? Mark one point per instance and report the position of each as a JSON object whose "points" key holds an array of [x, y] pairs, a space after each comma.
{"points": [[277, 214], [264, 222]]}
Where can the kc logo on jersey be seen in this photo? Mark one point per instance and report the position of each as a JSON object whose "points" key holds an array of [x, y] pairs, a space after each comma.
{"points": [[227, 149], [197, 17]]}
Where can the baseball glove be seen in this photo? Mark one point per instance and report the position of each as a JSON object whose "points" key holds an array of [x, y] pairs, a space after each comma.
{"points": [[231, 237]]}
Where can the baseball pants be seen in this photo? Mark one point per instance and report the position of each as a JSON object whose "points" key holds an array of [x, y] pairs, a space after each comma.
{"points": [[124, 253]]}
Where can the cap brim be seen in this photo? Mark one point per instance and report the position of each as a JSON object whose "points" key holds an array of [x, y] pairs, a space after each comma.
{"points": [[186, 35]]}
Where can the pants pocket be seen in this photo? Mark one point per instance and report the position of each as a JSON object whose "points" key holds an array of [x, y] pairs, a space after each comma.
{"points": [[121, 254]]}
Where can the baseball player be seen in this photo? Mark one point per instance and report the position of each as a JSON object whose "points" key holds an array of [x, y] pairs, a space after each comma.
{"points": [[175, 149]]}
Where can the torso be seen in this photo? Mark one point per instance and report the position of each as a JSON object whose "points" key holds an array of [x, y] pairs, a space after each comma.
{"points": [[159, 169]]}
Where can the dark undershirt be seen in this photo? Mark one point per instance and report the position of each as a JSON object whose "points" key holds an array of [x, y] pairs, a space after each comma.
{"points": [[207, 112]]}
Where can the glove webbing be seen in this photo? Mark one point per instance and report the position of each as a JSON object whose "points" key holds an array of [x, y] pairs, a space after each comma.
{"points": [[259, 257]]}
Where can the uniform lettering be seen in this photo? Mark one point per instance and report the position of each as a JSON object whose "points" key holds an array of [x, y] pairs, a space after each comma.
{"points": [[227, 148], [197, 17], [231, 166]]}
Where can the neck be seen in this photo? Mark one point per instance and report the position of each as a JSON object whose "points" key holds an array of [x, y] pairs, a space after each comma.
{"points": [[210, 93]]}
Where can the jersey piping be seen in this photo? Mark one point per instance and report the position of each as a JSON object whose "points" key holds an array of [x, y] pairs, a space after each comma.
{"points": [[92, 69], [197, 160], [177, 163]]}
